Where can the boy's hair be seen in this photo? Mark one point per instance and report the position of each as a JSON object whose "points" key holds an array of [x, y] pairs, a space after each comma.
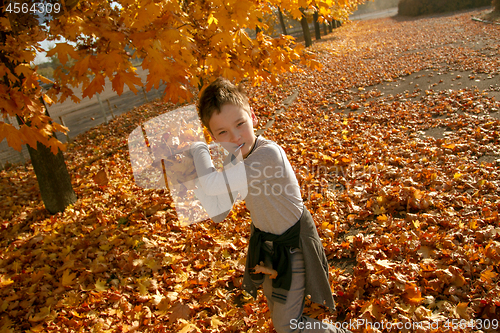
{"points": [[217, 94]]}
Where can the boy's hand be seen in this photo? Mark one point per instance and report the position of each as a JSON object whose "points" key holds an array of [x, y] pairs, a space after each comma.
{"points": [[260, 268], [181, 169]]}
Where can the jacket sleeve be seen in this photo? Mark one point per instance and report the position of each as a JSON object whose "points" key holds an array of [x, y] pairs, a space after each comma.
{"points": [[316, 263]]}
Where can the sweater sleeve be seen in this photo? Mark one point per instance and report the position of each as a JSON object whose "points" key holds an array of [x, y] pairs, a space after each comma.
{"points": [[213, 182], [216, 190]]}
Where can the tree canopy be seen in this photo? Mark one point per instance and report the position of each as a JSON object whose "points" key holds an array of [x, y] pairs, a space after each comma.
{"points": [[181, 43]]}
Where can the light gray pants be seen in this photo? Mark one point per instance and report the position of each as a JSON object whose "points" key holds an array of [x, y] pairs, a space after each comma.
{"points": [[288, 317]]}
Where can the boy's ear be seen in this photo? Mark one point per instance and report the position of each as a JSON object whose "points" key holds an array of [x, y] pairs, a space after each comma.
{"points": [[255, 120]]}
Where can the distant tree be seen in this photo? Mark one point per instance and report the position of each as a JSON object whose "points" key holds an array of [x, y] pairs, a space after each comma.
{"points": [[317, 31], [305, 30], [282, 21], [326, 11], [496, 5]]}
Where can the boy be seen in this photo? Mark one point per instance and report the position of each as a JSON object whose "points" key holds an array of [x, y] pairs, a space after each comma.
{"points": [[283, 234]]}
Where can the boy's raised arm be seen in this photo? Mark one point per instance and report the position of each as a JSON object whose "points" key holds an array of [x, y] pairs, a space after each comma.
{"points": [[231, 179], [216, 191]]}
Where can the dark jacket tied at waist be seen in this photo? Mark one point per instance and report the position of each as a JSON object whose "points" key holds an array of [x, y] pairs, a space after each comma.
{"points": [[281, 258], [301, 235]]}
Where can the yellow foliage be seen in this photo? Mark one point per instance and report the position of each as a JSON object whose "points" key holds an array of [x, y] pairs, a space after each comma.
{"points": [[182, 44]]}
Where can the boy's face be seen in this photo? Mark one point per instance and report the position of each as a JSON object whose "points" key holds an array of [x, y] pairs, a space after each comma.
{"points": [[232, 127]]}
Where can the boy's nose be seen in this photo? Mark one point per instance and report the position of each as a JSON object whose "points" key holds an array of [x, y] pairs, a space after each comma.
{"points": [[235, 136]]}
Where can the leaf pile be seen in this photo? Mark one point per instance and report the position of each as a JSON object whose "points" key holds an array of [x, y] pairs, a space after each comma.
{"points": [[415, 217]]}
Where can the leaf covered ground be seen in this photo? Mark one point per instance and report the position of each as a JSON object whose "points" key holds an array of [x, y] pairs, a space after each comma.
{"points": [[404, 189]]}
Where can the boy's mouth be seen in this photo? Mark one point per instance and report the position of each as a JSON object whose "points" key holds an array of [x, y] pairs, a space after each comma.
{"points": [[238, 148]]}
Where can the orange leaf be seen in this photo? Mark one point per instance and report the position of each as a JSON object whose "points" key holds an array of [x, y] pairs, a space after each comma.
{"points": [[82, 66], [96, 86], [179, 311], [110, 61], [47, 99], [44, 79], [15, 138], [412, 294], [68, 278], [122, 78], [63, 50], [31, 135], [461, 310], [265, 270], [101, 178], [56, 145], [488, 276], [5, 281]]}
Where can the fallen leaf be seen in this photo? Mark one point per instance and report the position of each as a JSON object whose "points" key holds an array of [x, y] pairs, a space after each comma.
{"points": [[262, 269]]}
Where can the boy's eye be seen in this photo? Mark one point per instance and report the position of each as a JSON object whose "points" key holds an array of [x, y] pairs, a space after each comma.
{"points": [[223, 132], [241, 123]]}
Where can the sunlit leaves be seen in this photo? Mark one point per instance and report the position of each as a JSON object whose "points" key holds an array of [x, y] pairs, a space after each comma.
{"points": [[63, 50], [184, 45], [129, 78], [13, 137], [409, 222]]}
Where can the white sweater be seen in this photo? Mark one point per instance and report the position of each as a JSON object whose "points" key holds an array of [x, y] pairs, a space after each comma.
{"points": [[264, 179]]}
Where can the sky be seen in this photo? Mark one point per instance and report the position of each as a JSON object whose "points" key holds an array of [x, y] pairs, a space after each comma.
{"points": [[41, 57]]}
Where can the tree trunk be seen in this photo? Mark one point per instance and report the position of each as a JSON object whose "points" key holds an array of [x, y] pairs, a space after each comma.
{"points": [[305, 29], [50, 170], [282, 21], [324, 29], [317, 30], [496, 5], [258, 29], [330, 26], [53, 178]]}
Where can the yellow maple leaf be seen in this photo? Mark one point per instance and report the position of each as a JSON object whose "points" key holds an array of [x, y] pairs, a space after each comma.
{"points": [[5, 281], [157, 298], [372, 308], [265, 270], [44, 313], [215, 322], [100, 285], [188, 328], [68, 278], [488, 276], [461, 310], [37, 276], [37, 328], [143, 290]]}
